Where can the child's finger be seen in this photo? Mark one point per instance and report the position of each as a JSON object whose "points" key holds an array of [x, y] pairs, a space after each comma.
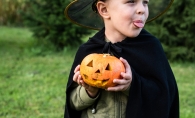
{"points": [[128, 73], [117, 88], [79, 80], [126, 64], [77, 69], [76, 75], [120, 81], [126, 76]]}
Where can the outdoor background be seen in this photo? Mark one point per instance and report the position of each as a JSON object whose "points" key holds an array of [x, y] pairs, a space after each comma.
{"points": [[38, 44]]}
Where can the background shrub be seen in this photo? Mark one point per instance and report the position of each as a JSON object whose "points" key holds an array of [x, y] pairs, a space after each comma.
{"points": [[176, 29], [10, 12], [47, 21]]}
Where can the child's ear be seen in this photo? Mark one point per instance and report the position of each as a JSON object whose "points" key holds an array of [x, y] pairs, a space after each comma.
{"points": [[102, 9]]}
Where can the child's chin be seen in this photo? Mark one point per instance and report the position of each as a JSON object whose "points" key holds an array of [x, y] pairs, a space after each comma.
{"points": [[135, 33]]}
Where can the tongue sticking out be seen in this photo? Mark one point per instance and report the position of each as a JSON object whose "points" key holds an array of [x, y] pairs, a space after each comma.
{"points": [[140, 25]]}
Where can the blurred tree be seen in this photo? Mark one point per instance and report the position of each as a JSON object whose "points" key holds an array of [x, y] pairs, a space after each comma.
{"points": [[47, 21], [175, 28], [176, 31], [9, 12]]}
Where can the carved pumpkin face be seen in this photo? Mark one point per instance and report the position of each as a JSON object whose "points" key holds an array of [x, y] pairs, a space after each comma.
{"points": [[99, 70]]}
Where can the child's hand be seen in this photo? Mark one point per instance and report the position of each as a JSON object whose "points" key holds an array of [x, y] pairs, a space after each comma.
{"points": [[92, 91], [124, 83], [77, 77]]}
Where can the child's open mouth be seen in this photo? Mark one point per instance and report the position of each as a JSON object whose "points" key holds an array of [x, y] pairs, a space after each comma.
{"points": [[138, 24]]}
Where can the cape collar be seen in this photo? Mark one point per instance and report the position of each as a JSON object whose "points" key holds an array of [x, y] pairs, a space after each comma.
{"points": [[116, 48], [110, 48]]}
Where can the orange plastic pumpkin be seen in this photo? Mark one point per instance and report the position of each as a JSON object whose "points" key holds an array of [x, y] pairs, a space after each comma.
{"points": [[99, 70]]}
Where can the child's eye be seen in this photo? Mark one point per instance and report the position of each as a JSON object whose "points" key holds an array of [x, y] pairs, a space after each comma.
{"points": [[131, 1], [145, 2]]}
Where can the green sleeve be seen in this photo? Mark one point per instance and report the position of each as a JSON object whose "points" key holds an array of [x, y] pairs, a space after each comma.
{"points": [[79, 99]]}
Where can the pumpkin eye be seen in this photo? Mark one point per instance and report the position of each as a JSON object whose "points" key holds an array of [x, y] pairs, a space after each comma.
{"points": [[90, 64], [108, 67], [98, 71]]}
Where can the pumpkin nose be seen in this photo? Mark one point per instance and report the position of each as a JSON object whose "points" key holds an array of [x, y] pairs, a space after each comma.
{"points": [[98, 71]]}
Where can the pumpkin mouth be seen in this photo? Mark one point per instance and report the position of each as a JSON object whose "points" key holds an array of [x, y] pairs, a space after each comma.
{"points": [[97, 82], [100, 82], [86, 77]]}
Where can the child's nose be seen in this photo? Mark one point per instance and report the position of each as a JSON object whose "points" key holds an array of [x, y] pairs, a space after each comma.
{"points": [[140, 8]]}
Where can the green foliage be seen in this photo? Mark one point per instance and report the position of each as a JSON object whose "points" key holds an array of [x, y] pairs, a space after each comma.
{"points": [[10, 12], [176, 29], [48, 23]]}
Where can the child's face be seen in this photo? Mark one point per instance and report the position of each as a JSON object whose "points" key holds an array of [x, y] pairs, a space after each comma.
{"points": [[126, 17]]}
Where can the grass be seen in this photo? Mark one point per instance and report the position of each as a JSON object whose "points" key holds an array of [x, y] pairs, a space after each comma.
{"points": [[185, 76], [31, 85], [33, 80]]}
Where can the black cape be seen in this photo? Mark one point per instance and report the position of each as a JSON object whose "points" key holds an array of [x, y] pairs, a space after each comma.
{"points": [[153, 92]]}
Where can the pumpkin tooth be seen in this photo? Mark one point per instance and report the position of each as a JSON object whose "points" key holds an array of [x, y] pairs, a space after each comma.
{"points": [[104, 82]]}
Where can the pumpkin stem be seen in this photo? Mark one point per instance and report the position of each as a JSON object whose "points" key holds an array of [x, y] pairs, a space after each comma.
{"points": [[105, 55]]}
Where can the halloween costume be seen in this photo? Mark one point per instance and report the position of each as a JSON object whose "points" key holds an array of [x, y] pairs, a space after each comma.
{"points": [[153, 92]]}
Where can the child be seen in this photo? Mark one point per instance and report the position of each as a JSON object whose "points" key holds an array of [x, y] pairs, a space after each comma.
{"points": [[148, 88]]}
